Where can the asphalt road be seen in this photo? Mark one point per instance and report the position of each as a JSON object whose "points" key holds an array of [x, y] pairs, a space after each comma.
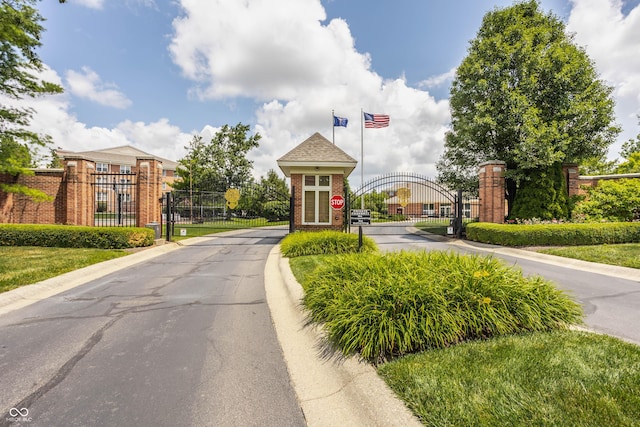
{"points": [[611, 303], [183, 339], [186, 338]]}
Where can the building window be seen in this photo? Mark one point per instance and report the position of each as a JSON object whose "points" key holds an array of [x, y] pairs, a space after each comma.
{"points": [[428, 209], [317, 192], [102, 167], [125, 169], [466, 210]]}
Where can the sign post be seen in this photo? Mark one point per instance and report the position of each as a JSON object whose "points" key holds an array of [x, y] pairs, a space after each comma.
{"points": [[360, 217]]}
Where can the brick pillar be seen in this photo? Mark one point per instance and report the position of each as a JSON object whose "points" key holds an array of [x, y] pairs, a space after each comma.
{"points": [[492, 191], [79, 208], [572, 178], [148, 191], [296, 185]]}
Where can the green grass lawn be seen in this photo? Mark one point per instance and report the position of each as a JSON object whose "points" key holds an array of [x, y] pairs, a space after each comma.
{"points": [[197, 230], [559, 378], [24, 265], [542, 379], [624, 255]]}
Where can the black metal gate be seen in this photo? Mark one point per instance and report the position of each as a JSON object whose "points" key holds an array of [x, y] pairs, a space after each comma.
{"points": [[404, 199], [186, 212], [114, 199]]}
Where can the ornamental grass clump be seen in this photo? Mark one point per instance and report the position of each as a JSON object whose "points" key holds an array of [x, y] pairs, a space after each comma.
{"points": [[385, 305], [323, 242]]}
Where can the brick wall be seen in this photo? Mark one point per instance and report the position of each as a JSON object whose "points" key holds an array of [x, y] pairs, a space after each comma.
{"points": [[592, 181], [72, 194], [20, 209]]}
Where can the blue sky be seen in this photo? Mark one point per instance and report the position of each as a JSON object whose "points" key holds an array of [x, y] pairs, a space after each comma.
{"points": [[152, 73]]}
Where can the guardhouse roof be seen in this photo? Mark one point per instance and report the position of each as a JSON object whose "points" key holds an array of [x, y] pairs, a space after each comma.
{"points": [[314, 153]]}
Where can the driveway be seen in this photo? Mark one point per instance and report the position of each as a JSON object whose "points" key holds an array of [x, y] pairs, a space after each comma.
{"points": [[185, 338]]}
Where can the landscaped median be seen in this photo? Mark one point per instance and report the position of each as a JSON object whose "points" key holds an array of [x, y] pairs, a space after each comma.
{"points": [[464, 339]]}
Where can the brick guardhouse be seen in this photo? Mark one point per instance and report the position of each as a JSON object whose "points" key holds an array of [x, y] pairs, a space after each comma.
{"points": [[317, 169]]}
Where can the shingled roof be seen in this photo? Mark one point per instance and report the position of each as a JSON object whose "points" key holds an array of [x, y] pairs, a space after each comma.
{"points": [[317, 151]]}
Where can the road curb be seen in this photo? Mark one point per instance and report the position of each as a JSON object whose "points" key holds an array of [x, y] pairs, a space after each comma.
{"points": [[332, 391]]}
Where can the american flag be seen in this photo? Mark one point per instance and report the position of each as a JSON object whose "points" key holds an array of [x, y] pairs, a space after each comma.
{"points": [[376, 120]]}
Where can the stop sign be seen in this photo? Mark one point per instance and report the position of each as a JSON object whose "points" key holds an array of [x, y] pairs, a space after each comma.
{"points": [[337, 202]]}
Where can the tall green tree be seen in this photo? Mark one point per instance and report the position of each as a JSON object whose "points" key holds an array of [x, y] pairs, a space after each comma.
{"points": [[20, 33], [219, 164], [525, 94]]}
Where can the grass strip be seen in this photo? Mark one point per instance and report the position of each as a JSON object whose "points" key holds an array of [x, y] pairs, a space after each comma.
{"points": [[623, 255], [561, 378], [24, 265]]}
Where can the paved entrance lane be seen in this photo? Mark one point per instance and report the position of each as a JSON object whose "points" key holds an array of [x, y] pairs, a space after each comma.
{"points": [[183, 339]]}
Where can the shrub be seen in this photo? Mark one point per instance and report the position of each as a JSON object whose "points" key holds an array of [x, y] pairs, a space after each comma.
{"points": [[276, 210], [63, 236], [543, 196], [611, 201], [323, 242], [554, 234], [387, 305]]}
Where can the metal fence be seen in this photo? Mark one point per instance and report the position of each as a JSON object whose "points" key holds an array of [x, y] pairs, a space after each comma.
{"points": [[114, 198], [402, 197], [236, 208]]}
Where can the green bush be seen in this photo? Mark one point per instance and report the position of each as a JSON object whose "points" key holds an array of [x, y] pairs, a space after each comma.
{"points": [[323, 242], [64, 236], [611, 201], [276, 211], [554, 234], [387, 305]]}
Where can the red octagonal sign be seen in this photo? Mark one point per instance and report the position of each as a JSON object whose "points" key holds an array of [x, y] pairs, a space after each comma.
{"points": [[337, 202]]}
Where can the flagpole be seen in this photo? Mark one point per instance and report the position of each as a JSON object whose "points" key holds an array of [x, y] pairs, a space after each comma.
{"points": [[362, 157], [333, 125]]}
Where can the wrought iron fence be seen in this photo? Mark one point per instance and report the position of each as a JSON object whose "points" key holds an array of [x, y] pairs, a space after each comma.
{"points": [[114, 199], [403, 197], [236, 208]]}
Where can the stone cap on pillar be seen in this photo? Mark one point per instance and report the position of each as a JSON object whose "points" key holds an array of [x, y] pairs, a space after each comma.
{"points": [[314, 154]]}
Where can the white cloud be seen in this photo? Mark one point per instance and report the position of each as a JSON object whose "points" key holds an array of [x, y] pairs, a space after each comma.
{"points": [[437, 81], [53, 118], [88, 84], [612, 40], [302, 67], [92, 4]]}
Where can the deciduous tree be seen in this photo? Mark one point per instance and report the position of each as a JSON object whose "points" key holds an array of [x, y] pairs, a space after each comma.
{"points": [[525, 94], [20, 31], [219, 164]]}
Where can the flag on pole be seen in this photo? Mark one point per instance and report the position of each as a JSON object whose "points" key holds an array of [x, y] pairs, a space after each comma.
{"points": [[375, 121], [340, 121]]}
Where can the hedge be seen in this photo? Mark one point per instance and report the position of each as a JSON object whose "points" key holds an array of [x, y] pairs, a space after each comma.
{"points": [[554, 234], [304, 243], [65, 236]]}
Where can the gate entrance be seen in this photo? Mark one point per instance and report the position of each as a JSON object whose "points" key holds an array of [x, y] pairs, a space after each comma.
{"points": [[409, 199], [114, 199], [236, 208]]}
